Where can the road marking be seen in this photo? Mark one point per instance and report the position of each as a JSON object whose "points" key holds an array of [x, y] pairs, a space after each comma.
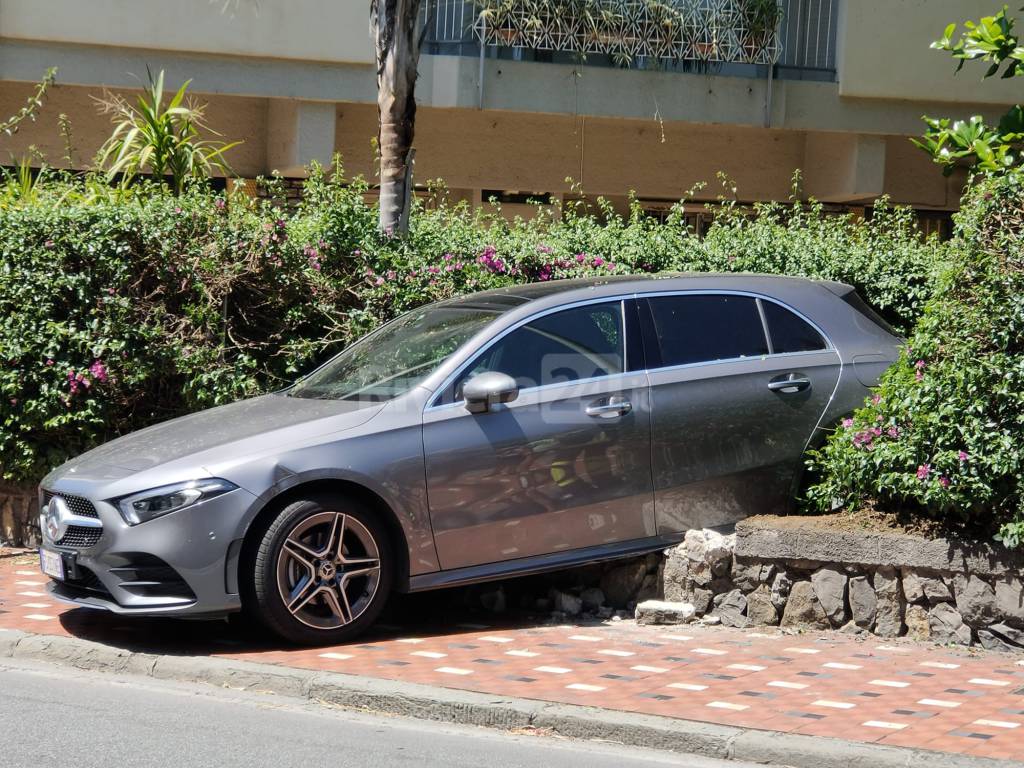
{"points": [[25, 573], [784, 684], [585, 687], [336, 656], [612, 652], [32, 594], [411, 640], [429, 654], [939, 703], [884, 724], [687, 686], [38, 617], [35, 605], [586, 638], [939, 665], [803, 650], [747, 667], [523, 654], [889, 683], [454, 671], [841, 665], [710, 651], [894, 648], [644, 668], [833, 704], [552, 670], [496, 639], [679, 638], [727, 705], [997, 723], [987, 681], [29, 583]]}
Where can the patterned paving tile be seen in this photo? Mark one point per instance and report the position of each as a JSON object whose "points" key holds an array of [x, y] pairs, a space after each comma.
{"points": [[820, 684]]}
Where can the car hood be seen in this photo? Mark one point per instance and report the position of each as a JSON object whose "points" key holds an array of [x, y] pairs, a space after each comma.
{"points": [[248, 426]]}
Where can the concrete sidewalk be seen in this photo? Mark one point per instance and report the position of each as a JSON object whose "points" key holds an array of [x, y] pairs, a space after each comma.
{"points": [[813, 700]]}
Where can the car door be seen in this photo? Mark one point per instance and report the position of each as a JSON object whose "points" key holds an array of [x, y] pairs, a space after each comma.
{"points": [[564, 466], [738, 386]]}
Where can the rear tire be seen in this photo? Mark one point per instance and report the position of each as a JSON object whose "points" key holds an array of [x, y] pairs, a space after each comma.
{"points": [[323, 571]]}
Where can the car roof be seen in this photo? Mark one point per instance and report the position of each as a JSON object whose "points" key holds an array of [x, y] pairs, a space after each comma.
{"points": [[554, 292]]}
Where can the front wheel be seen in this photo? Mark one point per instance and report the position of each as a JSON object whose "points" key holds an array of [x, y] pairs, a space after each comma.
{"points": [[323, 571]]}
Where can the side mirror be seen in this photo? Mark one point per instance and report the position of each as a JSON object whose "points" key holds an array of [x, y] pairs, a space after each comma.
{"points": [[487, 389]]}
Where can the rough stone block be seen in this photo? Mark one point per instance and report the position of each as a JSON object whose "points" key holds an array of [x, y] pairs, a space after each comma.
{"points": [[830, 589], [804, 609], [731, 608], [916, 619], [863, 602], [947, 626], [975, 600], [889, 609], [662, 612], [760, 609]]}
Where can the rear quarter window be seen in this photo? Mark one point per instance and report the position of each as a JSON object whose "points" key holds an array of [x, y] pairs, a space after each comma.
{"points": [[706, 327], [789, 332]]}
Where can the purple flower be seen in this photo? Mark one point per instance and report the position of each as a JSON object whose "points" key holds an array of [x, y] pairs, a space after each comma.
{"points": [[876, 399], [580, 258], [924, 471], [99, 371], [544, 248], [944, 481], [50, 362], [847, 423], [893, 432], [49, 243], [598, 261], [220, 204], [379, 281], [962, 456]]}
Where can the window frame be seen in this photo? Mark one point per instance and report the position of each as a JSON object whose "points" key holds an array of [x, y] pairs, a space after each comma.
{"points": [[640, 344], [653, 345], [631, 336]]}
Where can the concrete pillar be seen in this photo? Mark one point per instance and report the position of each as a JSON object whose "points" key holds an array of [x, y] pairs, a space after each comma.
{"points": [[844, 167], [299, 132]]}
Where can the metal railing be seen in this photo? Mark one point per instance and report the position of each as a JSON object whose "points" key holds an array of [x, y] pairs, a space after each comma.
{"points": [[806, 42]]}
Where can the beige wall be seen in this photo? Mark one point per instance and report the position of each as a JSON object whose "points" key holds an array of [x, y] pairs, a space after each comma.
{"points": [[469, 149], [318, 30], [884, 53], [233, 117]]}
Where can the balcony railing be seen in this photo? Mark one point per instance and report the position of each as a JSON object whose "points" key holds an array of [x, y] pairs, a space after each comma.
{"points": [[710, 38]]}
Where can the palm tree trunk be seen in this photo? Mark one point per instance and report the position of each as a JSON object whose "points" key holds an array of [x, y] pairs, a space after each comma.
{"points": [[395, 28]]}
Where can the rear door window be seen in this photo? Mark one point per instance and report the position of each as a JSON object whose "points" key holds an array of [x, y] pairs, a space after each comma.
{"points": [[789, 332], [702, 328]]}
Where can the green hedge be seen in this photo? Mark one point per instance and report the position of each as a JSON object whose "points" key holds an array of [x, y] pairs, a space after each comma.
{"points": [[119, 310], [943, 436]]}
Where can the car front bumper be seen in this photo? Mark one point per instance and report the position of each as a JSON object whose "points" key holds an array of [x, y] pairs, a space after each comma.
{"points": [[184, 563]]}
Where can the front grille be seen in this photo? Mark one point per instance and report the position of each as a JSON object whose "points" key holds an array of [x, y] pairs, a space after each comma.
{"points": [[78, 505], [81, 582], [79, 537], [146, 575]]}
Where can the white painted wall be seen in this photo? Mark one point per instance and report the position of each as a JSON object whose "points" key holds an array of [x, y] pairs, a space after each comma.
{"points": [[312, 30]]}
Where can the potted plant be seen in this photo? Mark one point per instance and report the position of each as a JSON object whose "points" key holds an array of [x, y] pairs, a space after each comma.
{"points": [[760, 21]]}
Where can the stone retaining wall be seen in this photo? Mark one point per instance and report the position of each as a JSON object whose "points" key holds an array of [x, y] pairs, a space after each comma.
{"points": [[885, 583], [19, 516]]}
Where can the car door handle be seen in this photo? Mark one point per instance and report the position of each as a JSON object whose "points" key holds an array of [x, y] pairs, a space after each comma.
{"points": [[610, 407], [789, 384]]}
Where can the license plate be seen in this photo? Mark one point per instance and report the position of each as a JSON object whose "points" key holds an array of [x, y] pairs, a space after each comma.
{"points": [[52, 564]]}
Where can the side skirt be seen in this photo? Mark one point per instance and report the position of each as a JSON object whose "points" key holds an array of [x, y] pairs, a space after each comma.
{"points": [[527, 566]]}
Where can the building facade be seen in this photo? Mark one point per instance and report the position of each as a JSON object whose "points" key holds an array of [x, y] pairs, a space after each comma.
{"points": [[513, 112]]}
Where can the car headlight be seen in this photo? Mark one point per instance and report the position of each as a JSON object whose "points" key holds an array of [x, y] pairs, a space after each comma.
{"points": [[156, 502]]}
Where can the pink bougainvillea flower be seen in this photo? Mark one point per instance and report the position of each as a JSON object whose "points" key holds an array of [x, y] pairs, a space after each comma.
{"points": [[893, 432], [847, 423], [962, 456], [49, 362], [379, 281], [876, 399], [944, 481], [598, 261], [580, 258], [924, 471], [99, 371]]}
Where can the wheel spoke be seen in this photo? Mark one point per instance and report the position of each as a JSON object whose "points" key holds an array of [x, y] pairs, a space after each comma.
{"points": [[301, 554], [338, 537], [303, 592], [360, 562], [351, 574], [331, 598]]}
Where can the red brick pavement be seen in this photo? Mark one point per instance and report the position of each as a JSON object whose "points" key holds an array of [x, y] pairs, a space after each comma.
{"points": [[899, 693]]}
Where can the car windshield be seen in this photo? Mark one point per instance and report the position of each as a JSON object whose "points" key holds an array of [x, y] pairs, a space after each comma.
{"points": [[396, 357]]}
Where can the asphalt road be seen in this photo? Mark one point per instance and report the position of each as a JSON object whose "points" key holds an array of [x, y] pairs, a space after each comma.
{"points": [[54, 716]]}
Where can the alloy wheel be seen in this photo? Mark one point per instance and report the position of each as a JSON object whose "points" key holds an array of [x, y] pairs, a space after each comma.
{"points": [[328, 570]]}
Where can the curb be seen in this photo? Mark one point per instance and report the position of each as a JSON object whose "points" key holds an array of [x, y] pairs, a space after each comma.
{"points": [[492, 711]]}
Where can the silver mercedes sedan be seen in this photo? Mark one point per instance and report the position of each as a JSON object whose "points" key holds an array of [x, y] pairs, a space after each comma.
{"points": [[504, 433]]}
